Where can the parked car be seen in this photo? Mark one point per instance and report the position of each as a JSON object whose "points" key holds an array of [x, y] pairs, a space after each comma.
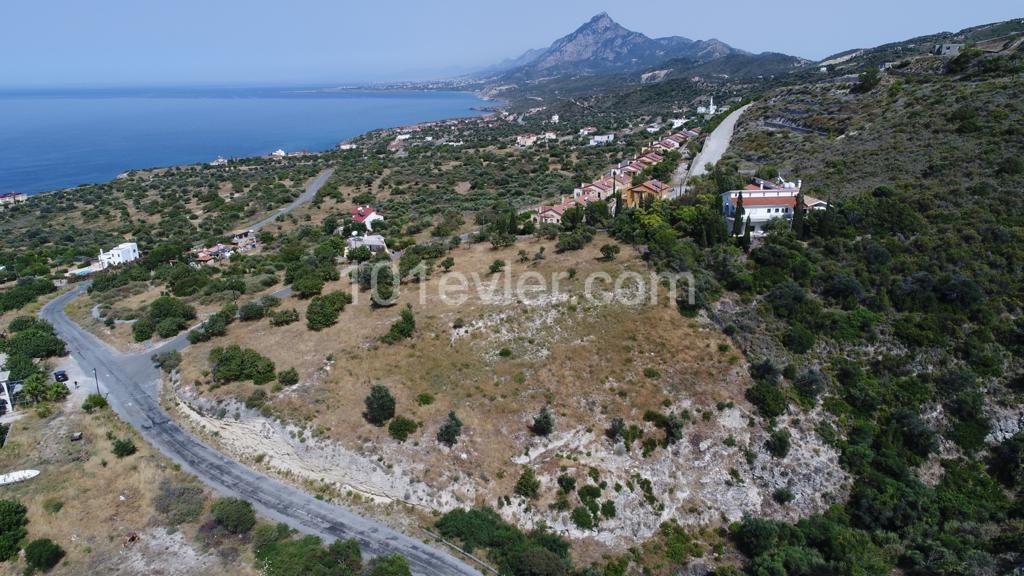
{"points": [[60, 376]]}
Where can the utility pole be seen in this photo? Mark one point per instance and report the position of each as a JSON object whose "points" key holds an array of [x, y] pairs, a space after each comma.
{"points": [[94, 377]]}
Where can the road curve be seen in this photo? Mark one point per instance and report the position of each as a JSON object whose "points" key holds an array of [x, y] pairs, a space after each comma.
{"points": [[716, 143], [307, 195], [131, 383]]}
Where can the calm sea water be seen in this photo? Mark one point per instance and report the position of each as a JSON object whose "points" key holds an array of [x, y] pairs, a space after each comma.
{"points": [[51, 140]]}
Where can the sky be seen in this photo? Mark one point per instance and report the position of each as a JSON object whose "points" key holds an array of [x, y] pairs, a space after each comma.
{"points": [[55, 43]]}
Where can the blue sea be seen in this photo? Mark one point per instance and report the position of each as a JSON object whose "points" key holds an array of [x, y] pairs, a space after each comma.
{"points": [[59, 139]]}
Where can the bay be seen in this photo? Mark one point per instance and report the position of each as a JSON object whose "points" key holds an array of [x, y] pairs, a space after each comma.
{"points": [[58, 139]]}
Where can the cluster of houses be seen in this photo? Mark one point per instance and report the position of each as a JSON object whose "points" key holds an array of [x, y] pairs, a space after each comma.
{"points": [[765, 200], [241, 242], [527, 140], [123, 253], [619, 180]]}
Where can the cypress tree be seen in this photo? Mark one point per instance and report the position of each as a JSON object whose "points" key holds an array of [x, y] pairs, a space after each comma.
{"points": [[745, 240], [798, 217], [737, 216]]}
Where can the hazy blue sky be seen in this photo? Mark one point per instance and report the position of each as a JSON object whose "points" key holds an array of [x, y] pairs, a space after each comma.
{"points": [[141, 42]]}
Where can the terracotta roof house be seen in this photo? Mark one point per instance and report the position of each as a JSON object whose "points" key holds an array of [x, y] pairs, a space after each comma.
{"points": [[366, 215]]}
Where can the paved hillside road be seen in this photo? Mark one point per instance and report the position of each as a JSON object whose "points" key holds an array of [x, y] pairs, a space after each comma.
{"points": [[131, 383], [716, 143], [307, 196]]}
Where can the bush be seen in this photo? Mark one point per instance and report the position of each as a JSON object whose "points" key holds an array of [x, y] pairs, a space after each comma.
{"points": [[123, 447], [179, 503], [403, 328], [234, 515], [582, 517], [234, 363], [782, 495], [769, 399], [401, 427], [393, 565], [251, 311], [798, 339], [543, 423], [13, 517], [323, 311], [425, 399], [289, 377], [43, 554], [284, 317], [167, 361], [528, 486], [778, 443], [380, 405], [450, 430], [94, 402]]}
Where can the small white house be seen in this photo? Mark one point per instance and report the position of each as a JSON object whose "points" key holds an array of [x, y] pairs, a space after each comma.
{"points": [[554, 118], [764, 201], [279, 153], [375, 242], [602, 139], [121, 254], [366, 215]]}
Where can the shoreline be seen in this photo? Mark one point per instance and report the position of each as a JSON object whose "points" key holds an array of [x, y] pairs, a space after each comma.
{"points": [[485, 106]]}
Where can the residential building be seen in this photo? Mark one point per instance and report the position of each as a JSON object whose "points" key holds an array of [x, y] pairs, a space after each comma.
{"points": [[554, 118], [244, 240], [764, 201], [947, 50], [526, 140], [375, 242], [366, 216], [651, 190], [588, 131], [279, 153], [602, 139], [13, 198], [121, 254]]}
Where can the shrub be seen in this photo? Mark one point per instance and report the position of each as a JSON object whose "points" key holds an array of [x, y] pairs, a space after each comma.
{"points": [[528, 486], [284, 317], [450, 430], [778, 443], [323, 311], [289, 377], [94, 402], [167, 361], [393, 565], [782, 495], [798, 339], [43, 554], [13, 517], [251, 311], [234, 515], [403, 328], [400, 428], [380, 405], [651, 373], [123, 447], [582, 517], [543, 423], [769, 399], [810, 384], [425, 399], [234, 363], [179, 503]]}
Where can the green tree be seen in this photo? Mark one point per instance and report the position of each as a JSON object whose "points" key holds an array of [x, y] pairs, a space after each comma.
{"points": [[450, 430], [447, 263], [309, 284], [402, 328], [13, 518], [543, 423], [380, 405], [745, 240], [737, 216], [528, 485], [360, 254], [234, 515], [43, 554], [610, 251], [393, 565]]}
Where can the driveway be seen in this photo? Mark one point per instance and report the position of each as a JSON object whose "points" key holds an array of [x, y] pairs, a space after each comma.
{"points": [[716, 143]]}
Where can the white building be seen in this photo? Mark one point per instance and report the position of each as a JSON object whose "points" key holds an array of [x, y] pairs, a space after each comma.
{"points": [[375, 242], [279, 153], [709, 110], [121, 254], [554, 118], [526, 140], [602, 139], [764, 201]]}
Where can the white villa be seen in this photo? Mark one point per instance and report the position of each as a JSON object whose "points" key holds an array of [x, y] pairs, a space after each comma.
{"points": [[121, 254], [764, 201]]}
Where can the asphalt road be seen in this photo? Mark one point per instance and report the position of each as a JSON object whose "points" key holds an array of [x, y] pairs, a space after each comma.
{"points": [[716, 143], [307, 195], [131, 383]]}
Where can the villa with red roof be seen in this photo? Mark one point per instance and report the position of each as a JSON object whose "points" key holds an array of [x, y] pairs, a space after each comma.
{"points": [[366, 215], [764, 201]]}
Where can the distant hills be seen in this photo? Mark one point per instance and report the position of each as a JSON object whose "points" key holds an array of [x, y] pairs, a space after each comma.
{"points": [[602, 46]]}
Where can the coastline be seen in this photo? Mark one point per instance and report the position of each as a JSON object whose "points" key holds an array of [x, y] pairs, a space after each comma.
{"points": [[482, 106]]}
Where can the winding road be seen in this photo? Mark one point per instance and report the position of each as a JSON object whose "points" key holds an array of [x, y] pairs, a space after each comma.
{"points": [[132, 382]]}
